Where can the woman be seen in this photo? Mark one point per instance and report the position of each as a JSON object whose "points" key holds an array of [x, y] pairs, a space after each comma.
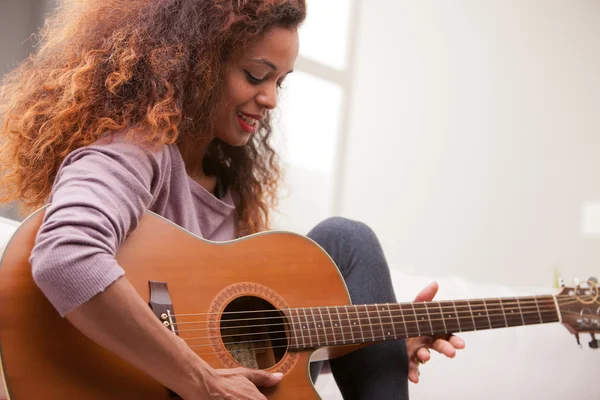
{"points": [[164, 105]]}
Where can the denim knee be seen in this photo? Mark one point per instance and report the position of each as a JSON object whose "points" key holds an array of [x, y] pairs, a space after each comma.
{"points": [[349, 231]]}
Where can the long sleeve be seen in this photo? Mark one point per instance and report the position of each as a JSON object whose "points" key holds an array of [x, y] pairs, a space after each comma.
{"points": [[99, 195]]}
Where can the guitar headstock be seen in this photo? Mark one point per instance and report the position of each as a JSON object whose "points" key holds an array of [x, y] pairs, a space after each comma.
{"points": [[579, 307]]}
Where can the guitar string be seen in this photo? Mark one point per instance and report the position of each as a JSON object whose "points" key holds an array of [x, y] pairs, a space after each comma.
{"points": [[465, 310], [367, 339], [315, 328], [382, 309], [405, 317], [508, 300], [467, 314]]}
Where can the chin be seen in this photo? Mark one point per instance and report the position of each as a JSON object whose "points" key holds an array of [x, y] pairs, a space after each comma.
{"points": [[235, 137], [238, 140]]}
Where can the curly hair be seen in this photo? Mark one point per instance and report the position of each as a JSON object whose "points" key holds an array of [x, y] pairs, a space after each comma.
{"points": [[152, 68]]}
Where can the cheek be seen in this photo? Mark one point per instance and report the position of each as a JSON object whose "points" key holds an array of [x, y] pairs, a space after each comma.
{"points": [[240, 92]]}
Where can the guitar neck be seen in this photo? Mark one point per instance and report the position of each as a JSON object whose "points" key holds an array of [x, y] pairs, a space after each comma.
{"points": [[316, 327]]}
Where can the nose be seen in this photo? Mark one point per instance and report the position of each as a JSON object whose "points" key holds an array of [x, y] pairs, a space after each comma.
{"points": [[267, 97]]}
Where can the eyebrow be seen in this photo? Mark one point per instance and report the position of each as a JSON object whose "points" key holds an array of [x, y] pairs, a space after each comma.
{"points": [[268, 64]]}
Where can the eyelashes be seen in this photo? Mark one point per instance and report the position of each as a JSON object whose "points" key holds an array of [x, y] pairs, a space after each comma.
{"points": [[252, 79], [256, 81]]}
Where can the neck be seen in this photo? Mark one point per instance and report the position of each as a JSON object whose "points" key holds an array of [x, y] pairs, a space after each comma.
{"points": [[192, 152], [316, 327]]}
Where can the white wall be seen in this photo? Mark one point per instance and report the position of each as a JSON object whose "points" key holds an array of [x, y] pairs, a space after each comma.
{"points": [[475, 136], [19, 20]]}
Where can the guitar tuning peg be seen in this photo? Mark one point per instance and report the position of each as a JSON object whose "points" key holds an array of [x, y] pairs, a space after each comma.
{"points": [[576, 281], [577, 338], [594, 342]]}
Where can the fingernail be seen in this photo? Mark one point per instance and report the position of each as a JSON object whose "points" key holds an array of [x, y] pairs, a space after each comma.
{"points": [[278, 375]]}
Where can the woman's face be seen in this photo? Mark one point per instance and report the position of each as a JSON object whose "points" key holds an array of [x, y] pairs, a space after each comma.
{"points": [[252, 80]]}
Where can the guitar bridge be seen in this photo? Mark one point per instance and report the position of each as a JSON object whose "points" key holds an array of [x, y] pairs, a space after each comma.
{"points": [[161, 305]]}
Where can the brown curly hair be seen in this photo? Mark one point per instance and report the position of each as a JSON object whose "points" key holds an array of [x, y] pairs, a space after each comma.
{"points": [[151, 67]]}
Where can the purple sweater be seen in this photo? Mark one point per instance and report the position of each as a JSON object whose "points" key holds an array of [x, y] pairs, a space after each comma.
{"points": [[100, 193]]}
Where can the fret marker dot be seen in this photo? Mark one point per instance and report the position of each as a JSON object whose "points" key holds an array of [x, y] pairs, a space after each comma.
{"points": [[335, 324], [355, 323], [304, 327], [449, 315], [319, 326]]}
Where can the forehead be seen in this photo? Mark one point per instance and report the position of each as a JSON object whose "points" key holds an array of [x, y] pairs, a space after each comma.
{"points": [[279, 45]]}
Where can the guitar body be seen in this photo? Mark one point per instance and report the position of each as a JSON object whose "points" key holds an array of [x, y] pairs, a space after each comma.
{"points": [[44, 356]]}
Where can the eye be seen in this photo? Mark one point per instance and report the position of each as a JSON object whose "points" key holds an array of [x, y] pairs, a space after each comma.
{"points": [[252, 79]]}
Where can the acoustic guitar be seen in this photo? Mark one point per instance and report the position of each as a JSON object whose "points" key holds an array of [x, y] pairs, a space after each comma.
{"points": [[272, 301]]}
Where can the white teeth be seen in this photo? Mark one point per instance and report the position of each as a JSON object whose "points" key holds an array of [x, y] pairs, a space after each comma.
{"points": [[249, 121]]}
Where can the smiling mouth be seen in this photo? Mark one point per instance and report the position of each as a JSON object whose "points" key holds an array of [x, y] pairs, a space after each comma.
{"points": [[248, 124], [250, 121]]}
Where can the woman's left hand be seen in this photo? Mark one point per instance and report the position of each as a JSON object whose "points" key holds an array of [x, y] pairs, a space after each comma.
{"points": [[418, 347]]}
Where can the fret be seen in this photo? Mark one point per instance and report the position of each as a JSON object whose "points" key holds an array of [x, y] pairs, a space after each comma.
{"points": [[480, 314], [308, 328], [423, 323], [447, 314], [410, 319], [323, 324], [429, 318], [436, 317], [442, 317], [405, 333], [530, 314], [495, 313], [487, 313], [472, 315], [385, 330], [373, 337], [335, 337], [465, 315], [520, 311], [316, 327], [548, 309], [301, 328], [294, 329], [380, 330], [457, 316], [513, 314], [392, 322], [537, 306], [353, 324], [503, 312], [341, 326]]}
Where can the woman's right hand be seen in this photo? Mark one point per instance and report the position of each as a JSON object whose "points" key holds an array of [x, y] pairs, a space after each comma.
{"points": [[239, 383]]}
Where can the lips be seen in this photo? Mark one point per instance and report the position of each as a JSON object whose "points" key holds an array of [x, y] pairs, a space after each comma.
{"points": [[248, 118], [247, 123]]}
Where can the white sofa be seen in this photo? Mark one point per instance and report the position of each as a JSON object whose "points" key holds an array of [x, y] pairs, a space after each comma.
{"points": [[533, 362], [7, 227]]}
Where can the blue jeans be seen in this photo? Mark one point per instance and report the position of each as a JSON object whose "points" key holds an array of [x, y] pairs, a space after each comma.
{"points": [[378, 371]]}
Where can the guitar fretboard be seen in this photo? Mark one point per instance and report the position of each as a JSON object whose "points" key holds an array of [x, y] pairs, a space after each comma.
{"points": [[316, 327]]}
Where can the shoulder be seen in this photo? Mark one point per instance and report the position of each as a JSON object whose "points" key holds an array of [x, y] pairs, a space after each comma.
{"points": [[121, 147], [121, 159]]}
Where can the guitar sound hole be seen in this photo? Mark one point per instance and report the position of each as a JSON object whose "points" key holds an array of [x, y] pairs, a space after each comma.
{"points": [[253, 332]]}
